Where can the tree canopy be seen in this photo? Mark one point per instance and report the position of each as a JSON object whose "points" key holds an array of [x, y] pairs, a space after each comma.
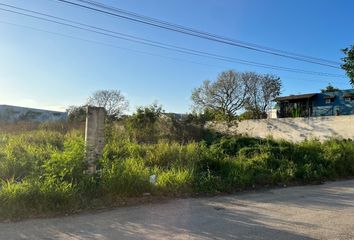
{"points": [[226, 95], [112, 100], [262, 89], [233, 91], [76, 113], [348, 64], [329, 88]]}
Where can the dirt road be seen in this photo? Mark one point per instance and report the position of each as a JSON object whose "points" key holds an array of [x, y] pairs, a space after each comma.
{"points": [[309, 212]]}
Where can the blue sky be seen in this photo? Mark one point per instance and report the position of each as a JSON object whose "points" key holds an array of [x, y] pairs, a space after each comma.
{"points": [[47, 70]]}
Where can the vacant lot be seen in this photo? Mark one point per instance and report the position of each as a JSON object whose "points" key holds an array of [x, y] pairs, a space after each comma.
{"points": [[309, 212], [42, 172]]}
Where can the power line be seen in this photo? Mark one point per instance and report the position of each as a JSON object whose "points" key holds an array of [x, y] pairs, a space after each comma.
{"points": [[105, 6], [174, 48], [107, 44], [127, 37], [196, 33], [137, 51]]}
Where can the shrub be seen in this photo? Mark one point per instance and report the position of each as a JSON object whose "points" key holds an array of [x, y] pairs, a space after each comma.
{"points": [[68, 165], [340, 156], [23, 155], [143, 124], [310, 164]]}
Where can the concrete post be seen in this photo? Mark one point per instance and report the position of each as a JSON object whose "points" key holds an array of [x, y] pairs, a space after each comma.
{"points": [[94, 136]]}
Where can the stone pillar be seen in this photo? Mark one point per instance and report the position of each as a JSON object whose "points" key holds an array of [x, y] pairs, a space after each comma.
{"points": [[94, 136]]}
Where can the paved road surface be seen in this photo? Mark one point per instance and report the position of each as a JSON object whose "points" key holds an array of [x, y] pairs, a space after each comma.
{"points": [[309, 212]]}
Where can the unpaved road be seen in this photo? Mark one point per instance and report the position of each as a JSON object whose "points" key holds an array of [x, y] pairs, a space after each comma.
{"points": [[309, 212]]}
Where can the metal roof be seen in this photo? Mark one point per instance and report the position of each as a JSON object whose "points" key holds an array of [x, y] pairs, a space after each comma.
{"points": [[295, 97]]}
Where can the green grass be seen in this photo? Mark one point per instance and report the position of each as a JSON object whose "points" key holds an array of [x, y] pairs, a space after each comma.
{"points": [[42, 172]]}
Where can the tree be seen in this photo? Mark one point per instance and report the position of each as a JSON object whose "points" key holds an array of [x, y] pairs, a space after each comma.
{"points": [[226, 95], [112, 100], [262, 89], [142, 125], [76, 113], [348, 65], [329, 88], [146, 116]]}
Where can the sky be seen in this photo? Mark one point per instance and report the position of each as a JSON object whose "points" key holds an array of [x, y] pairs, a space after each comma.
{"points": [[50, 66]]}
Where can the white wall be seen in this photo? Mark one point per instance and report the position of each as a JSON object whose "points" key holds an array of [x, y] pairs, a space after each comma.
{"points": [[292, 129], [13, 113]]}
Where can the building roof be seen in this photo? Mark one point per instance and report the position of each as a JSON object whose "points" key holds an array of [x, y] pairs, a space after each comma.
{"points": [[295, 97], [348, 94]]}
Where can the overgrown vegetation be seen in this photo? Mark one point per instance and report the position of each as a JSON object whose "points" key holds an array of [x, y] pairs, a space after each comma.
{"points": [[42, 171]]}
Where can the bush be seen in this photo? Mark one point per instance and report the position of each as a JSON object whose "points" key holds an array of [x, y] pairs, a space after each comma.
{"points": [[23, 155], [69, 165], [143, 124], [310, 164], [340, 157]]}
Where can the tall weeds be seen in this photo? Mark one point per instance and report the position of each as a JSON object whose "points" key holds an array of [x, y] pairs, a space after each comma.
{"points": [[42, 172]]}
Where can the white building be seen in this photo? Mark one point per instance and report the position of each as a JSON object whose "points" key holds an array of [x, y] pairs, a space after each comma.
{"points": [[13, 114]]}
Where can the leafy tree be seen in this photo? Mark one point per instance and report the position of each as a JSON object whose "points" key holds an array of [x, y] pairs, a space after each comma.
{"points": [[226, 95], [112, 100], [262, 89], [143, 123], [147, 115], [76, 113], [329, 88], [348, 65]]}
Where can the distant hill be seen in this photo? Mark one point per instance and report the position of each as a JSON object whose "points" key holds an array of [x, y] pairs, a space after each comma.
{"points": [[10, 113]]}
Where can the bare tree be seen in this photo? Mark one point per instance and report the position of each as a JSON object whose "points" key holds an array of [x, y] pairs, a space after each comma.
{"points": [[112, 100], [262, 89], [226, 95]]}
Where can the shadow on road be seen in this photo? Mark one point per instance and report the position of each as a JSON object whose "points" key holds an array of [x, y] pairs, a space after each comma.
{"points": [[274, 214]]}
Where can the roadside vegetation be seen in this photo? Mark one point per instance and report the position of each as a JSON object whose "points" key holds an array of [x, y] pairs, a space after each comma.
{"points": [[42, 171], [153, 154]]}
